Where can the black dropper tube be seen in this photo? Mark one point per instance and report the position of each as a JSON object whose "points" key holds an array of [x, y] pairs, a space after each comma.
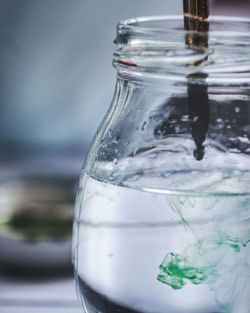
{"points": [[196, 14]]}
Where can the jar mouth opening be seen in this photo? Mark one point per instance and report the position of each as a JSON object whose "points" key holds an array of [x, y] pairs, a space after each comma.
{"points": [[170, 24], [157, 45]]}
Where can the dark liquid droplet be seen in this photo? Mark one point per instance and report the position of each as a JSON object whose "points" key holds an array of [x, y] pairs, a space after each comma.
{"points": [[198, 103]]}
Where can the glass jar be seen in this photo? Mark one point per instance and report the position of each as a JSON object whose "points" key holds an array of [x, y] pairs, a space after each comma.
{"points": [[162, 219]]}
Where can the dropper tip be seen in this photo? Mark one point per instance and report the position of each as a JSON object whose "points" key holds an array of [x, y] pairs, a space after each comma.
{"points": [[199, 153]]}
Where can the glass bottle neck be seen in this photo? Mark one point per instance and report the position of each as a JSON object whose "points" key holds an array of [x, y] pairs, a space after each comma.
{"points": [[156, 48]]}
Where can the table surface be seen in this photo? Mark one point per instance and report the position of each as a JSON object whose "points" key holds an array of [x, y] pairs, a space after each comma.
{"points": [[44, 296]]}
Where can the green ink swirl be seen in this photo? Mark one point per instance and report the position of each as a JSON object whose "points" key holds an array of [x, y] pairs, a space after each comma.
{"points": [[219, 253]]}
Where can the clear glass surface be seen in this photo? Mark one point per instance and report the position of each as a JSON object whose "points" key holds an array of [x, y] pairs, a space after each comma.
{"points": [[162, 218]]}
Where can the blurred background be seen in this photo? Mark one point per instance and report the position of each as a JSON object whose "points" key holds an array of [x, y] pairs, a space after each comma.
{"points": [[56, 84]]}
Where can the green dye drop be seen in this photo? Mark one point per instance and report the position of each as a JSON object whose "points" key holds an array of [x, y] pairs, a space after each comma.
{"points": [[177, 270], [198, 265]]}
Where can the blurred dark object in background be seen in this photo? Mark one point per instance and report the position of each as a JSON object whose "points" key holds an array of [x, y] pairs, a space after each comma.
{"points": [[56, 85], [36, 224]]}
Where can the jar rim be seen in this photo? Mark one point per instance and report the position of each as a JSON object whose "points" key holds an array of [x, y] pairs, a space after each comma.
{"points": [[156, 45], [136, 24]]}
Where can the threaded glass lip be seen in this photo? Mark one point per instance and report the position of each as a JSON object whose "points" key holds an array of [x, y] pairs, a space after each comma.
{"points": [[157, 45]]}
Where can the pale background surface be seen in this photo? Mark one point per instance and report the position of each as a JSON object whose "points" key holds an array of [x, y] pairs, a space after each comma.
{"points": [[38, 296]]}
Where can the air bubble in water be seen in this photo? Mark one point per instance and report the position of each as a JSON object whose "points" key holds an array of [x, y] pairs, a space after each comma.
{"points": [[220, 123], [185, 118]]}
